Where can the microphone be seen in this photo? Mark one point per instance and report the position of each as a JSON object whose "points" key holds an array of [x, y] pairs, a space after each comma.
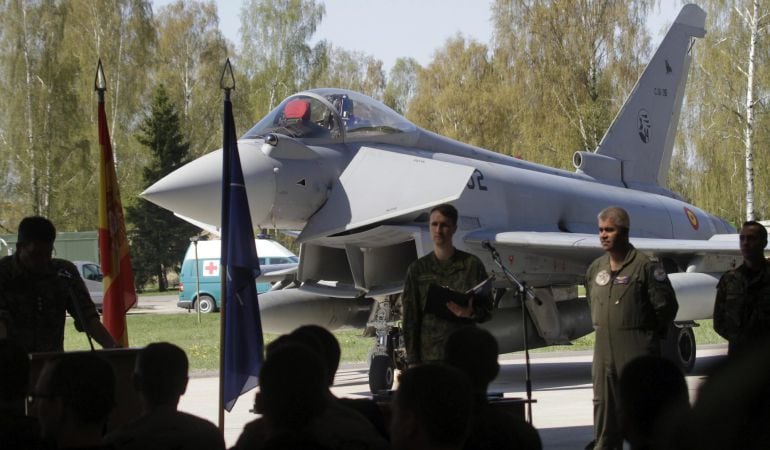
{"points": [[487, 246], [68, 278]]}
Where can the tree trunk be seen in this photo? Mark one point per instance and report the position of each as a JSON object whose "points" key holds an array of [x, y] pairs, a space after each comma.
{"points": [[33, 175], [754, 24], [162, 280]]}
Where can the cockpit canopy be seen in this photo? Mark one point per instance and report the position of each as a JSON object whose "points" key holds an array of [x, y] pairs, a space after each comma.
{"points": [[335, 114]]}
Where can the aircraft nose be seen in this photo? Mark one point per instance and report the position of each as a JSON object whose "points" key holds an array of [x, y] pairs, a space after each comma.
{"points": [[195, 189]]}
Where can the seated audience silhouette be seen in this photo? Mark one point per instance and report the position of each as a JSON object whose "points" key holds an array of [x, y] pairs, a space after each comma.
{"points": [[160, 379], [474, 350], [325, 343], [653, 399], [292, 398], [17, 430], [337, 426], [432, 409], [732, 408], [73, 398]]}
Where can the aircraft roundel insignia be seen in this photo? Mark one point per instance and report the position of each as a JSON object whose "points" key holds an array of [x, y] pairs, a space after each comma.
{"points": [[692, 218]]}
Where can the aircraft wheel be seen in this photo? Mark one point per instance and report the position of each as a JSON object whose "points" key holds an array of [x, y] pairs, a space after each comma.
{"points": [[207, 304], [380, 373], [680, 346]]}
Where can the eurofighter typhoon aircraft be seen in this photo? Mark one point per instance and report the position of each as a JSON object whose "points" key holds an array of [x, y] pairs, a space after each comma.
{"points": [[358, 180]]}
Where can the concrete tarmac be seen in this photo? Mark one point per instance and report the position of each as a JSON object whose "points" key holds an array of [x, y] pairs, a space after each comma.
{"points": [[157, 304], [561, 388]]}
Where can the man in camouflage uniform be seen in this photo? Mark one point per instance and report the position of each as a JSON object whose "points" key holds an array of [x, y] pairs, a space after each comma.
{"points": [[742, 306], [425, 333], [36, 290], [632, 307]]}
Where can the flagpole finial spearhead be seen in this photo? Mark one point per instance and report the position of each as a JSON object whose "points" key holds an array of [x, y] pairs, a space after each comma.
{"points": [[227, 81], [100, 82]]}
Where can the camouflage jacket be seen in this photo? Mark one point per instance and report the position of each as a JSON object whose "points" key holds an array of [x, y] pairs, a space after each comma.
{"points": [[742, 305], [638, 296], [33, 305], [425, 333]]}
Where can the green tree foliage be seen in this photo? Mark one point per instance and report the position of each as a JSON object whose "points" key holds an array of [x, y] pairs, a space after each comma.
{"points": [[192, 52], [121, 33], [571, 64], [49, 146], [351, 70], [555, 76], [402, 84], [41, 141], [456, 95], [276, 54], [158, 238], [708, 168]]}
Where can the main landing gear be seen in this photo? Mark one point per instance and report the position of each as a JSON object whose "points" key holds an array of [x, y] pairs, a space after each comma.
{"points": [[388, 353], [679, 345]]}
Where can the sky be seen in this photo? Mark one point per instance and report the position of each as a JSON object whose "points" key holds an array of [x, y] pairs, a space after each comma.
{"points": [[390, 29]]}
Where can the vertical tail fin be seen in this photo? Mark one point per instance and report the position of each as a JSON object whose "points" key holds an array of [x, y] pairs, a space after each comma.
{"points": [[636, 150]]}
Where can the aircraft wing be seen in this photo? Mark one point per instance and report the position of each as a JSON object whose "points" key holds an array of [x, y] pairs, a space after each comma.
{"points": [[584, 248], [276, 272], [379, 185]]}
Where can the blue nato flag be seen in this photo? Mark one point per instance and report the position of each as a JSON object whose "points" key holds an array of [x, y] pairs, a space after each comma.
{"points": [[243, 343]]}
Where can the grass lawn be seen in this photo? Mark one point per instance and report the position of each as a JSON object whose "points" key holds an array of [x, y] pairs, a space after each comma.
{"points": [[704, 334], [153, 291], [201, 341]]}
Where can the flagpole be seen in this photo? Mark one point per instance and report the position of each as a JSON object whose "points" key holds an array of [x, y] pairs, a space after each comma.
{"points": [[114, 254], [227, 86], [242, 342]]}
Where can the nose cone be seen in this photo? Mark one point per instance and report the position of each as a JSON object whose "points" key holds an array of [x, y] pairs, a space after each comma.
{"points": [[195, 189]]}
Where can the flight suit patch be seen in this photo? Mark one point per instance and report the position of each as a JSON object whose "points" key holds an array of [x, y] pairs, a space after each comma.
{"points": [[659, 274], [602, 278], [621, 280]]}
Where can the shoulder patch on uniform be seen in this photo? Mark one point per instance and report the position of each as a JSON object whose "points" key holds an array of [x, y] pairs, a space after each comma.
{"points": [[660, 274], [602, 278]]}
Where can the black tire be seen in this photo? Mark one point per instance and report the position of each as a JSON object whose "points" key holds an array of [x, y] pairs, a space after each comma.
{"points": [[680, 347], [381, 374], [207, 304]]}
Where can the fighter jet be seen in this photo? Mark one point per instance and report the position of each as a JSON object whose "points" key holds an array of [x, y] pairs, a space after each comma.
{"points": [[357, 179]]}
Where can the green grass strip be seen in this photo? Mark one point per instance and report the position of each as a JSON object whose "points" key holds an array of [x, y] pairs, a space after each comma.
{"points": [[201, 341]]}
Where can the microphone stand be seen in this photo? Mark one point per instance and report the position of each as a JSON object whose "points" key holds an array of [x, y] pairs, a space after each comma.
{"points": [[523, 292], [67, 277]]}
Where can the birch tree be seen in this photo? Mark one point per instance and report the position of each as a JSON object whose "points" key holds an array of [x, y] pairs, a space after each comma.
{"points": [[351, 70], [402, 84], [48, 54], [568, 66], [275, 48], [721, 153], [752, 20], [191, 52]]}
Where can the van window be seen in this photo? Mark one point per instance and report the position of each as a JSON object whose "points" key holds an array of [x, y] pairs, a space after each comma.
{"points": [[92, 272]]}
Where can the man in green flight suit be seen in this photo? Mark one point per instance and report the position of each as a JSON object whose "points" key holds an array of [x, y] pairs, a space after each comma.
{"points": [[632, 307], [425, 332], [742, 306]]}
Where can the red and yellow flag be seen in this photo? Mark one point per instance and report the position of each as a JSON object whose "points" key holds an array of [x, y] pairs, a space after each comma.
{"points": [[119, 292]]}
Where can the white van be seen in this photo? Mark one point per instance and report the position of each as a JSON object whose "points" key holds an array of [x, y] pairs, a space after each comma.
{"points": [[275, 260], [92, 276]]}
